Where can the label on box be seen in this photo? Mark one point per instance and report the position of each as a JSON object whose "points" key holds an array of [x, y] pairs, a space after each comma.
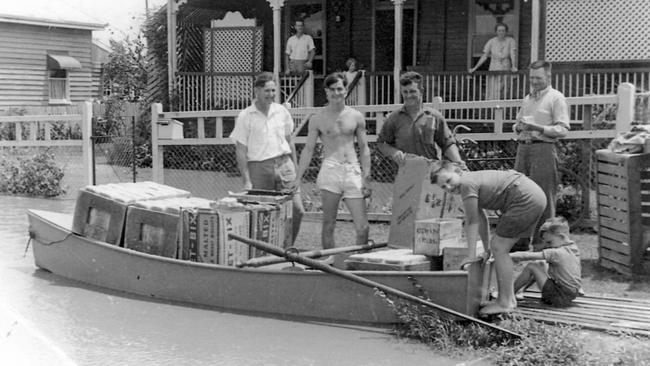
{"points": [[432, 235], [204, 236]]}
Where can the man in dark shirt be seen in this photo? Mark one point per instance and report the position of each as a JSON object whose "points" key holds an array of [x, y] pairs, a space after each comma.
{"points": [[416, 129]]}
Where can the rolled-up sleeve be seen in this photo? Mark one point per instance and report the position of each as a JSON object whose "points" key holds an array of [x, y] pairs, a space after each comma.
{"points": [[240, 132], [560, 115]]}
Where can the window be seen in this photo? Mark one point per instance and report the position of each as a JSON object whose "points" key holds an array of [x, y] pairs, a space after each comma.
{"points": [[58, 68], [59, 86]]}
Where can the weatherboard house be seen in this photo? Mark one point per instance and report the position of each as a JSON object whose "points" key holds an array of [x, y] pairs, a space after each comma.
{"points": [[47, 55]]}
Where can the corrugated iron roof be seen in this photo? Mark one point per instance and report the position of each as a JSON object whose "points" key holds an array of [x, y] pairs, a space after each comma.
{"points": [[52, 13]]}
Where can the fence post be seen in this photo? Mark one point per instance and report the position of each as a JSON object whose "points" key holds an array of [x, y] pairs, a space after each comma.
{"points": [[625, 112], [587, 124], [156, 152], [308, 89], [498, 119], [86, 145]]}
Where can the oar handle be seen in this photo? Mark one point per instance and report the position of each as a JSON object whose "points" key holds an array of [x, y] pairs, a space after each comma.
{"points": [[265, 261], [363, 281]]}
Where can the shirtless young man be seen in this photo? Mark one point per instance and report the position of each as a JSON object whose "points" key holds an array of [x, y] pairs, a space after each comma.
{"points": [[341, 175]]}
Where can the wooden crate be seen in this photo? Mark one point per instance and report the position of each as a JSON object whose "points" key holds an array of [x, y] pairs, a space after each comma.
{"points": [[623, 187]]}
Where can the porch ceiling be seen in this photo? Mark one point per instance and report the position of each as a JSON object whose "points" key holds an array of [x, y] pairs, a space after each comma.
{"points": [[202, 11]]}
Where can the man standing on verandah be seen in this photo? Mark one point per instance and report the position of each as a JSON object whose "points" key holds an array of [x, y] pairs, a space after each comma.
{"points": [[300, 50], [340, 175], [265, 153]]}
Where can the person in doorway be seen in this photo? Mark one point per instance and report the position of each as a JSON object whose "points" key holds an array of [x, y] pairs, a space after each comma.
{"points": [[542, 119], [556, 269], [342, 174], [265, 153], [416, 129], [351, 70], [502, 51], [299, 52], [521, 203]]}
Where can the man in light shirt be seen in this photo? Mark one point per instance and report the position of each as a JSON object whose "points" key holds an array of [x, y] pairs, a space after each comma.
{"points": [[265, 153], [542, 120], [300, 50]]}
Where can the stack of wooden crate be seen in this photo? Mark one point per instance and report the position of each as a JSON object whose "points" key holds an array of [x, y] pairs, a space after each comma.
{"points": [[623, 186]]}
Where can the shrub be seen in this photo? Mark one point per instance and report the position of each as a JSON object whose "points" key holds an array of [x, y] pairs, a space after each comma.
{"points": [[36, 176]]}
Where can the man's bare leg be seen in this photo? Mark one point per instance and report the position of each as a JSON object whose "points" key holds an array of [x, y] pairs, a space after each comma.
{"points": [[330, 206], [506, 301], [357, 207]]}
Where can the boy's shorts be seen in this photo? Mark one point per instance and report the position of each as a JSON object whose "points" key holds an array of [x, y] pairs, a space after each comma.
{"points": [[340, 178], [557, 295]]}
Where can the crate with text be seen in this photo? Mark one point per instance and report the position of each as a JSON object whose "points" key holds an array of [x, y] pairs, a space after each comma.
{"points": [[204, 235], [415, 198], [100, 211], [152, 226], [432, 235], [284, 210]]}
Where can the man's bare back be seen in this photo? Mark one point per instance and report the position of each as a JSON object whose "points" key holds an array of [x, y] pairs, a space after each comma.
{"points": [[337, 130]]}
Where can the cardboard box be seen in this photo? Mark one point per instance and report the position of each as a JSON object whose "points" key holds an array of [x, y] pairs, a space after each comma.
{"points": [[388, 260], [204, 235], [100, 211], [152, 226], [266, 226], [415, 198], [453, 257], [432, 235], [283, 204]]}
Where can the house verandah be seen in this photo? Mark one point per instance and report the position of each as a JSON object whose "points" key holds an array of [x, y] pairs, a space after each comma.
{"points": [[593, 47]]}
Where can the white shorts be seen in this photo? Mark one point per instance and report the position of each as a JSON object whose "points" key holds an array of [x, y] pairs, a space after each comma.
{"points": [[340, 178]]}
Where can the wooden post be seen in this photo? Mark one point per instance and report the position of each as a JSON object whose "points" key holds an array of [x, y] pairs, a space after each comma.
{"points": [[86, 146], [625, 112], [534, 32], [171, 46], [156, 152], [276, 5], [397, 69], [585, 147], [308, 90]]}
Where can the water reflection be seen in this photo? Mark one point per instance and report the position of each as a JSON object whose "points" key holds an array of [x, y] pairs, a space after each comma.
{"points": [[95, 326]]}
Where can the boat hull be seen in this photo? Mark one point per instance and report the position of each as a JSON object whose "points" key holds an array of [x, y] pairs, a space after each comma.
{"points": [[289, 294]]}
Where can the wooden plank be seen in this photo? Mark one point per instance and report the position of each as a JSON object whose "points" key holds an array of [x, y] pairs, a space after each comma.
{"points": [[611, 180], [609, 190], [609, 212], [608, 156], [609, 222], [612, 169], [617, 203], [612, 245], [614, 235], [620, 268]]}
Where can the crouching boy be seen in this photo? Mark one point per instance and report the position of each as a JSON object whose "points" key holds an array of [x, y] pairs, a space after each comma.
{"points": [[556, 269]]}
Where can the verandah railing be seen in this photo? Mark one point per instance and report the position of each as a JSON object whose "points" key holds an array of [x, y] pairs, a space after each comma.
{"points": [[201, 91], [210, 91]]}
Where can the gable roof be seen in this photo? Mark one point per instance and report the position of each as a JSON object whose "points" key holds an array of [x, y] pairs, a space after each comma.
{"points": [[52, 13]]}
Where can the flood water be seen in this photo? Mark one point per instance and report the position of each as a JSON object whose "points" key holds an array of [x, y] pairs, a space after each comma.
{"points": [[47, 320]]}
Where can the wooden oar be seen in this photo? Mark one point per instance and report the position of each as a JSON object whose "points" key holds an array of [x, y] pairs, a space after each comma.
{"points": [[364, 281], [272, 259]]}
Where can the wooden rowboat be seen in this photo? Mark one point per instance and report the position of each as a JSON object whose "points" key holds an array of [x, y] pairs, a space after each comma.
{"points": [[307, 294]]}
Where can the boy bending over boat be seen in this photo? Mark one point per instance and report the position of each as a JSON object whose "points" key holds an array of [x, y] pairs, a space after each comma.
{"points": [[556, 269], [521, 203], [342, 174]]}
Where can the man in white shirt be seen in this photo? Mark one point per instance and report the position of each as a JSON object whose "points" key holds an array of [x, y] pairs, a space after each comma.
{"points": [[542, 120], [265, 153], [300, 50]]}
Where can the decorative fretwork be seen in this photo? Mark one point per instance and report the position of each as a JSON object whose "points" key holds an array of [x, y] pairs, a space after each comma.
{"points": [[597, 30], [233, 49]]}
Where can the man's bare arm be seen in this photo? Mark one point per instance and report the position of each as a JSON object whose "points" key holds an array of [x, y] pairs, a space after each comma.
{"points": [[308, 150], [241, 151]]}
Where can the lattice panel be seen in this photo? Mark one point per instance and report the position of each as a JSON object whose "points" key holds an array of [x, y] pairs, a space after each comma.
{"points": [[233, 49], [597, 30]]}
